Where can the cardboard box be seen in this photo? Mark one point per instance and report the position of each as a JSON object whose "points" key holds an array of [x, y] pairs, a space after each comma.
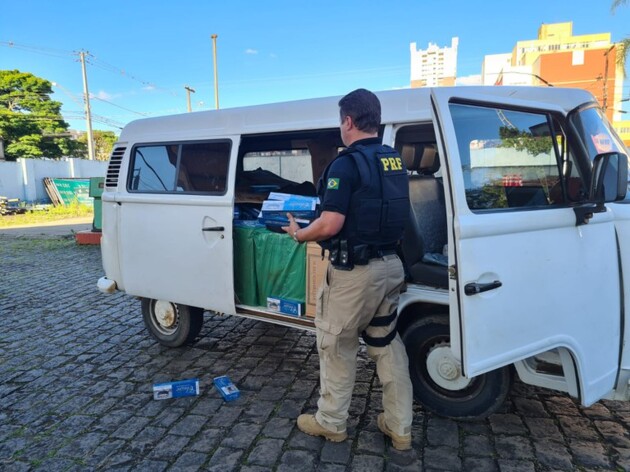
{"points": [[315, 273], [285, 306]]}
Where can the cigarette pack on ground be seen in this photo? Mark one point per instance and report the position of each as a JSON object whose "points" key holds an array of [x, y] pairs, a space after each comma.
{"points": [[177, 389], [285, 306], [226, 388]]}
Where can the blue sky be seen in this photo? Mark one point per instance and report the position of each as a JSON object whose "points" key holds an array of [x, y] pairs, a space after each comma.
{"points": [[145, 52]]}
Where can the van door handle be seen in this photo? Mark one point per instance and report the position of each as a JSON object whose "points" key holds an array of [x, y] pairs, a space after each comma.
{"points": [[475, 288], [214, 228]]}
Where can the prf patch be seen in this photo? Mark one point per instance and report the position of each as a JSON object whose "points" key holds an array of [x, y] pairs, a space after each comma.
{"points": [[333, 184], [391, 163]]}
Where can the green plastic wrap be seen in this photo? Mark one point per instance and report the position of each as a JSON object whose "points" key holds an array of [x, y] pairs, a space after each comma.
{"points": [[244, 264], [267, 264], [280, 267]]}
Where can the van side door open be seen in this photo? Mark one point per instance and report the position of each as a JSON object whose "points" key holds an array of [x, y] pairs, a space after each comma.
{"points": [[526, 279], [183, 191]]}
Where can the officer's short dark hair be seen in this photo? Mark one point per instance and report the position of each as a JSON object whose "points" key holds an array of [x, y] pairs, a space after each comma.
{"points": [[364, 108]]}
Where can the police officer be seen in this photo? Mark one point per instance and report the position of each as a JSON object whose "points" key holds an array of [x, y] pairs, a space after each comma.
{"points": [[364, 196]]}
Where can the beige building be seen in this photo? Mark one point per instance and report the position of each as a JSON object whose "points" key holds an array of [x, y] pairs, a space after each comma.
{"points": [[434, 66], [559, 58]]}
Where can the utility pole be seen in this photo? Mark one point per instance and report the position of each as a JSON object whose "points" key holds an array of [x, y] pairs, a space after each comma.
{"points": [[188, 91], [88, 114], [605, 91], [216, 75]]}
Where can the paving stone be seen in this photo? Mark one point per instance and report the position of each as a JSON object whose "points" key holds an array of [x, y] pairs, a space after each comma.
{"points": [[371, 443], [507, 424], [266, 452], [516, 466], [189, 461], [479, 464], [189, 425], [170, 446], [242, 435], [336, 452], [151, 466], [477, 445], [442, 432], [279, 428], [366, 463], [544, 429], [589, 454], [442, 458], [513, 447], [293, 460], [578, 428], [553, 455], [206, 440]]}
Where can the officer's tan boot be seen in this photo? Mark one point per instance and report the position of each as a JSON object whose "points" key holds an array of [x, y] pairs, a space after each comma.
{"points": [[402, 443], [309, 425]]}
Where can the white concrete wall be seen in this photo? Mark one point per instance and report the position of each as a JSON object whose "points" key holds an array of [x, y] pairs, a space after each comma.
{"points": [[24, 178]]}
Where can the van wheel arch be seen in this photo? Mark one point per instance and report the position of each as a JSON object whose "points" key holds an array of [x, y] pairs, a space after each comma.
{"points": [[171, 324], [426, 338]]}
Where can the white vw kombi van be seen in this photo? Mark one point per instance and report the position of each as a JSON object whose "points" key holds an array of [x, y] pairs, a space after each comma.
{"points": [[516, 250]]}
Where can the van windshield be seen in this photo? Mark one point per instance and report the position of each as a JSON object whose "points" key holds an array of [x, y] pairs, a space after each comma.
{"points": [[596, 133]]}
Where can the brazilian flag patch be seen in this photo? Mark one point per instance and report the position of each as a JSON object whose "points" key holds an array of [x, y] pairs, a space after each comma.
{"points": [[333, 184]]}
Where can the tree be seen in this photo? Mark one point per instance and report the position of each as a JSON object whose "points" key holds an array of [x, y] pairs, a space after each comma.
{"points": [[103, 144], [624, 44], [30, 121]]}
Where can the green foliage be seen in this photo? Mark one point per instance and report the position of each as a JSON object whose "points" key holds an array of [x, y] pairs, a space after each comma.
{"points": [[525, 141], [30, 121], [487, 197], [623, 45], [103, 144]]}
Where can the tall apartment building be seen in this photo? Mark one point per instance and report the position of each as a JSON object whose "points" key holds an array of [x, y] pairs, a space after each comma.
{"points": [[434, 66], [557, 57]]}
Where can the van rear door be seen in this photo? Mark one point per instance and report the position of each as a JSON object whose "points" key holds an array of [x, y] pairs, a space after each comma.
{"points": [[526, 278], [176, 223]]}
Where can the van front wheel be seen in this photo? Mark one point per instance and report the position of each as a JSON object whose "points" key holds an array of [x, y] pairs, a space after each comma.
{"points": [[437, 379], [171, 324]]}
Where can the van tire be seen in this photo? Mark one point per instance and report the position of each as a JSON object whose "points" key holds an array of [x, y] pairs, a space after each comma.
{"points": [[171, 324], [481, 397]]}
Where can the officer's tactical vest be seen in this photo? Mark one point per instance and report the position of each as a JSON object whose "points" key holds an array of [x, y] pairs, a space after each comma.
{"points": [[379, 209]]}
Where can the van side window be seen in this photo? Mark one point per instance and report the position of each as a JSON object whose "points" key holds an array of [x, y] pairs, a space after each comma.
{"points": [[200, 167], [509, 159], [154, 168]]}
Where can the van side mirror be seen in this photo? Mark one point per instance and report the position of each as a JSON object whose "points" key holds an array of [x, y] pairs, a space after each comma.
{"points": [[609, 183], [609, 180]]}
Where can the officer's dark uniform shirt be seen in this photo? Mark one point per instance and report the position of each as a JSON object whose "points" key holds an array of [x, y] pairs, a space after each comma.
{"points": [[342, 180]]}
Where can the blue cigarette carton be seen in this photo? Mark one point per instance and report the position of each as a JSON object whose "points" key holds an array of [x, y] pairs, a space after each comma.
{"points": [[177, 389], [285, 306], [226, 388]]}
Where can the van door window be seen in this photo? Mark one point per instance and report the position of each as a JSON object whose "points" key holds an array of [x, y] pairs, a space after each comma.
{"points": [[509, 158], [153, 168], [200, 167]]}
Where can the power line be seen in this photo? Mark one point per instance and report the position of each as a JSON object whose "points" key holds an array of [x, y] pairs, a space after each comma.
{"points": [[117, 106]]}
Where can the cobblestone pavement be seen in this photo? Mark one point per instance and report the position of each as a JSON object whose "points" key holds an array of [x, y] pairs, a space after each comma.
{"points": [[76, 370]]}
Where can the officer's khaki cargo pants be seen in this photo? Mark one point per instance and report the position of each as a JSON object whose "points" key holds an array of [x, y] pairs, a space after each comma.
{"points": [[348, 300]]}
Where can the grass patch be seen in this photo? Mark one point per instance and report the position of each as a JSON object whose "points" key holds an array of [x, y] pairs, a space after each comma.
{"points": [[13, 247], [73, 210]]}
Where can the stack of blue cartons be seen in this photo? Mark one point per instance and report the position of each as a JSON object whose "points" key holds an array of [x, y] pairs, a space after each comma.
{"points": [[274, 210]]}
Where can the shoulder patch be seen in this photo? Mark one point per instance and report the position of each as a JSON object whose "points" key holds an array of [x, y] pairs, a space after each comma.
{"points": [[332, 184]]}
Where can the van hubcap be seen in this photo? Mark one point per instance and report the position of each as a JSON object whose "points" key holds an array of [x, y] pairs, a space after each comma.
{"points": [[166, 316], [444, 369]]}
